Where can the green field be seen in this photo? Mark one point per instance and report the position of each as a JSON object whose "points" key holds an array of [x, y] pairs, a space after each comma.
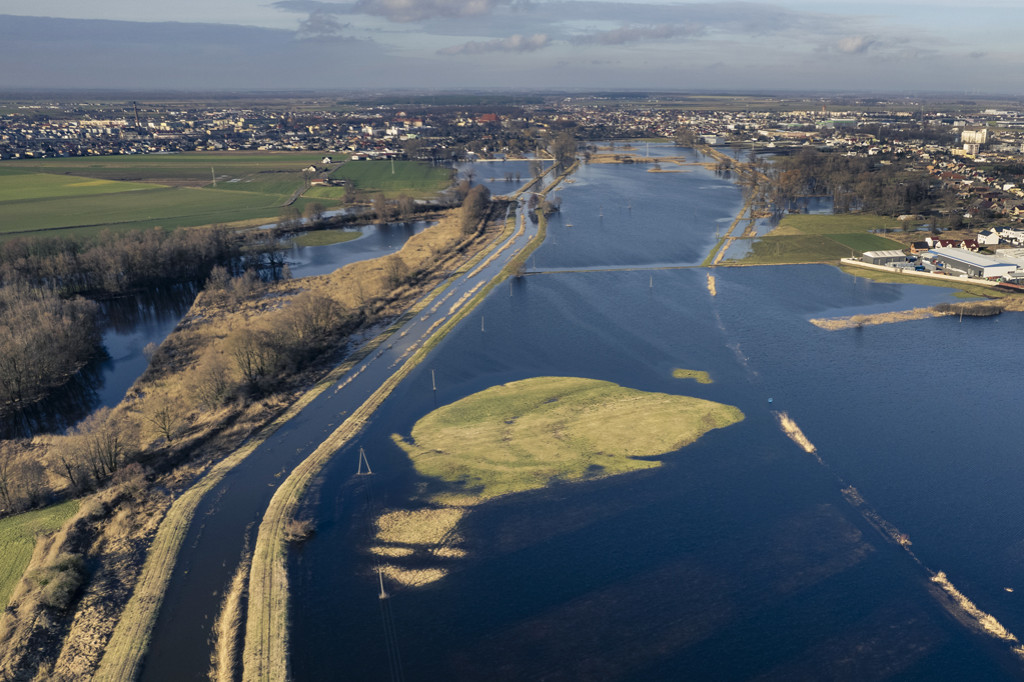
{"points": [[16, 186], [325, 237], [792, 249], [414, 178], [843, 223], [814, 238], [192, 168], [80, 195], [18, 538], [169, 207], [866, 242]]}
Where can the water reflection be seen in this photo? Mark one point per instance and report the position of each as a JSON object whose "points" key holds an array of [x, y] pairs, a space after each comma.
{"points": [[63, 408]]}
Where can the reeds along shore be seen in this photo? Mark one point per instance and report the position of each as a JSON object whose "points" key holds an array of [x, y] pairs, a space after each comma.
{"points": [[966, 309]]}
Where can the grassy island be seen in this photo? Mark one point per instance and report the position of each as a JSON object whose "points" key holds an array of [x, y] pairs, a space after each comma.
{"points": [[522, 435], [700, 376]]}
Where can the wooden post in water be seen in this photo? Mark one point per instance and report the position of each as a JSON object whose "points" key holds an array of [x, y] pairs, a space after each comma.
{"points": [[433, 381], [383, 593]]}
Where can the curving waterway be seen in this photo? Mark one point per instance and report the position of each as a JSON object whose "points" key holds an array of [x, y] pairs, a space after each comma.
{"points": [[739, 557]]}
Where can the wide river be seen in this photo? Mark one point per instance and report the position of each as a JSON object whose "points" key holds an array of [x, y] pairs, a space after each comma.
{"points": [[739, 557]]}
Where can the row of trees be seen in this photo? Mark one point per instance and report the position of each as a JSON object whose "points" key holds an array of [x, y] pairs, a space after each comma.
{"points": [[118, 263]]}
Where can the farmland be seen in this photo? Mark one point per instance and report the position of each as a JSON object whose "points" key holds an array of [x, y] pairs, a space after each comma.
{"points": [[78, 196], [402, 177], [81, 195]]}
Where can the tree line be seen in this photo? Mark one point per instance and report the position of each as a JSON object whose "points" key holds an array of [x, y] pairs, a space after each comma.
{"points": [[118, 263], [49, 330], [853, 182], [44, 340]]}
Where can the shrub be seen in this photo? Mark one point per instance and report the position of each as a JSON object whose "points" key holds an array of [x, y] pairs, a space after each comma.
{"points": [[59, 582]]}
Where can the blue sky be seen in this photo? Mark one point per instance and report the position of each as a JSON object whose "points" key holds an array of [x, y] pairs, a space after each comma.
{"points": [[907, 46]]}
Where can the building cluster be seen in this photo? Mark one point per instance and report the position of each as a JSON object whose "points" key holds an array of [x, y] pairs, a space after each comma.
{"points": [[974, 159]]}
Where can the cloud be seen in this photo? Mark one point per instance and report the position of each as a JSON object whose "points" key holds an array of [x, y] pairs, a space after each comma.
{"points": [[514, 43], [636, 34], [855, 44], [320, 24], [420, 10]]}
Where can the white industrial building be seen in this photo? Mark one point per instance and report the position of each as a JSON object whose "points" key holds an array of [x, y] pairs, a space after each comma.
{"points": [[884, 257], [974, 264]]}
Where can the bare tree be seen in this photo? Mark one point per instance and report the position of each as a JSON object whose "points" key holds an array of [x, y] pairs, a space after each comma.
{"points": [[164, 414], [396, 272]]}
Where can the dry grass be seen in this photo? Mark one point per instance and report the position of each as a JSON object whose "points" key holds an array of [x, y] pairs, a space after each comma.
{"points": [[982, 620], [790, 428], [854, 321], [225, 662], [423, 526]]}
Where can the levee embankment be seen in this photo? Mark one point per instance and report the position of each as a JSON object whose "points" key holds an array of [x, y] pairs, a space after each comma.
{"points": [[265, 654]]}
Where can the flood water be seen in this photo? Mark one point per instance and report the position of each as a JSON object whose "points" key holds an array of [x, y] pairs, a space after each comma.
{"points": [[739, 558], [131, 323]]}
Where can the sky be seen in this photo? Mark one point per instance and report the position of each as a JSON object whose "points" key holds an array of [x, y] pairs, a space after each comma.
{"points": [[900, 46]]}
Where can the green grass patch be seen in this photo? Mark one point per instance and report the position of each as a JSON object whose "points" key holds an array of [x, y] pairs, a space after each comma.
{"points": [[187, 168], [793, 249], [324, 192], [27, 186], [170, 207], [326, 237], [18, 539], [700, 376], [525, 434], [866, 242], [414, 178], [843, 223], [276, 183]]}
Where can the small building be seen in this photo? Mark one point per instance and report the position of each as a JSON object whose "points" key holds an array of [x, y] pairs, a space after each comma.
{"points": [[974, 264], [884, 257], [988, 237]]}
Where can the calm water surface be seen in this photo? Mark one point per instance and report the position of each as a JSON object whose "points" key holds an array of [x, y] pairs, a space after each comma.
{"points": [[738, 558]]}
